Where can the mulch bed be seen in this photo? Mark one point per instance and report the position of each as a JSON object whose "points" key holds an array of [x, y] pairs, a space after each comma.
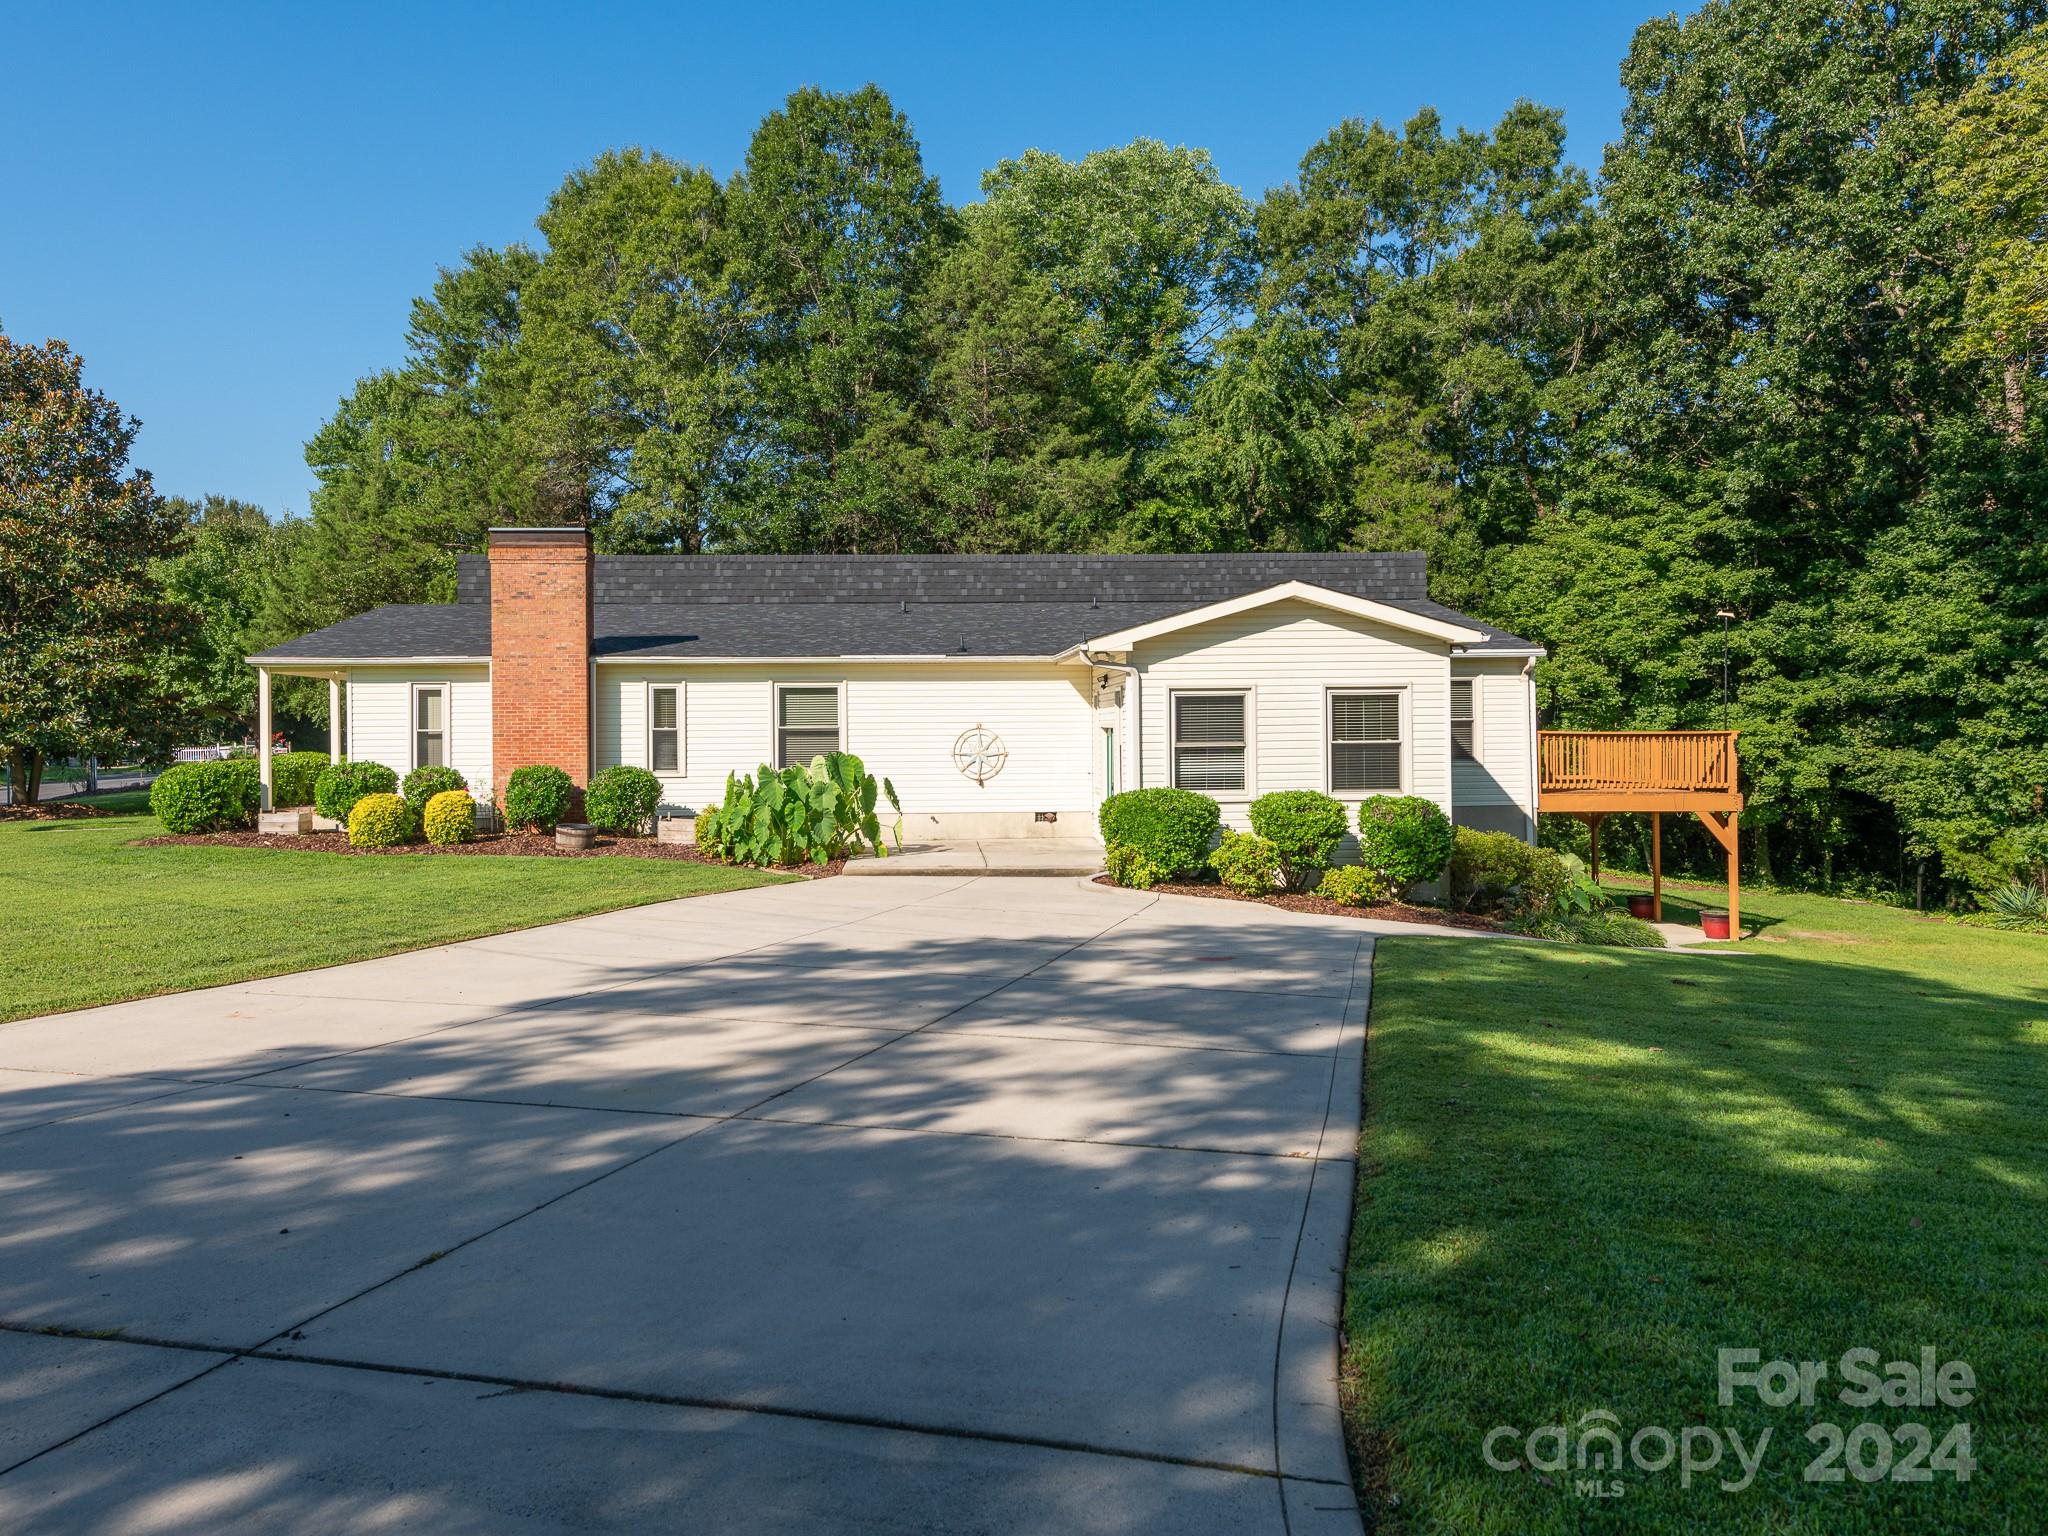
{"points": [[532, 845], [56, 810], [1385, 912]]}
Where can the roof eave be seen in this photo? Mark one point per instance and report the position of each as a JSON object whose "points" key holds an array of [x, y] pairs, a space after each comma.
{"points": [[1300, 591]]}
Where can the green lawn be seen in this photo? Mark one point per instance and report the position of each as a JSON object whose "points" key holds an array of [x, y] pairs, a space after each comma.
{"points": [[92, 919], [1583, 1172]]}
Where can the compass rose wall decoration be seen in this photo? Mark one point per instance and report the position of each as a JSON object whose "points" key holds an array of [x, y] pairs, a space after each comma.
{"points": [[980, 754]]}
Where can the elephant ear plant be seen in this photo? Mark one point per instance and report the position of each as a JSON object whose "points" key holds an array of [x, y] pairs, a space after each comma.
{"points": [[801, 814]]}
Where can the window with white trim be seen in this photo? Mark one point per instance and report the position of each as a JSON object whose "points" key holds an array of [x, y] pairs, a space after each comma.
{"points": [[1464, 733], [1209, 742], [806, 723], [429, 725], [665, 727], [1365, 743]]}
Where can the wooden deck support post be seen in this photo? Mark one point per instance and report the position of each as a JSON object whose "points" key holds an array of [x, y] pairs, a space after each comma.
{"points": [[1734, 884], [1593, 826], [1722, 826], [1656, 866]]}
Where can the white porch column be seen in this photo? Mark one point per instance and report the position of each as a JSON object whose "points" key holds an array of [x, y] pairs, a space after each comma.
{"points": [[263, 732], [334, 719]]}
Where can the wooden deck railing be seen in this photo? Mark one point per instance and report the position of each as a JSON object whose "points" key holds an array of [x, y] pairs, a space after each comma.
{"points": [[1569, 761]]}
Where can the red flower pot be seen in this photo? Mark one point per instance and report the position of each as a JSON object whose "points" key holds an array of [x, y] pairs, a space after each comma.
{"points": [[1714, 924], [1640, 906]]}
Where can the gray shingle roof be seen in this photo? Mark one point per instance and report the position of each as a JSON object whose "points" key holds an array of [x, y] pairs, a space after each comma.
{"points": [[395, 631], [926, 605]]}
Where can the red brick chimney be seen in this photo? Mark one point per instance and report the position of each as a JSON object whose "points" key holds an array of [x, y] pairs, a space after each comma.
{"points": [[541, 581]]}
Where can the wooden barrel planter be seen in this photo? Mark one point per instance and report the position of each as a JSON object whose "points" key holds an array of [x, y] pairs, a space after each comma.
{"points": [[575, 836]]}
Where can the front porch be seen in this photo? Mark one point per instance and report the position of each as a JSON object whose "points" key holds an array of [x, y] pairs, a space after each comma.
{"points": [[266, 729], [1593, 774]]}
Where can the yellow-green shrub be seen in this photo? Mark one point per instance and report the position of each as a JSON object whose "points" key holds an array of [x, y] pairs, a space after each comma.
{"points": [[379, 821], [450, 817]]}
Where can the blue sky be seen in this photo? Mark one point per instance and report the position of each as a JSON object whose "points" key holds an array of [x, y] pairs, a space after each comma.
{"points": [[227, 209]]}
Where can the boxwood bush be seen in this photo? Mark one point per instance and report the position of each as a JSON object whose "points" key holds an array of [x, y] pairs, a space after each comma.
{"points": [[1353, 885], [1128, 867], [1247, 863], [427, 781], [1405, 838], [450, 817], [207, 797], [538, 796], [379, 821], [1305, 828], [623, 799], [339, 787], [1171, 828], [1490, 871], [292, 777]]}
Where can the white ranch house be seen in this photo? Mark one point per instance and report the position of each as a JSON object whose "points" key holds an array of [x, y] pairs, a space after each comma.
{"points": [[1005, 695]]}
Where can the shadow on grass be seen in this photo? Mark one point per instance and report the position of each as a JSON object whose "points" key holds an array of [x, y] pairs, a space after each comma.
{"points": [[1586, 1172]]}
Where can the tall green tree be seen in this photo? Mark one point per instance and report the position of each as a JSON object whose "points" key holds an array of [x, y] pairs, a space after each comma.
{"points": [[1416, 355], [1006, 447], [630, 352], [221, 575], [1779, 431], [1991, 169], [1153, 249], [837, 227], [82, 616]]}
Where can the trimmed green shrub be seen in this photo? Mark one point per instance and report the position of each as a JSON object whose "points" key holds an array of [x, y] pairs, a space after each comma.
{"points": [[538, 796], [1353, 885], [1172, 828], [379, 821], [450, 817], [292, 777], [1404, 837], [1492, 871], [1305, 827], [339, 787], [815, 814], [1128, 867], [207, 797], [623, 799], [1247, 863], [427, 781]]}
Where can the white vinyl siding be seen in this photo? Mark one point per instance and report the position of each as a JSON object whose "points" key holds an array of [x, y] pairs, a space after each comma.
{"points": [[901, 719], [1291, 658], [1504, 721], [382, 713]]}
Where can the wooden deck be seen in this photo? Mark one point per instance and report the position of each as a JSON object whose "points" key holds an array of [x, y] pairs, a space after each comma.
{"points": [[1593, 774]]}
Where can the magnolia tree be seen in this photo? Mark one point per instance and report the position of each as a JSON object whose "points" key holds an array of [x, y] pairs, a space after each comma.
{"points": [[82, 614]]}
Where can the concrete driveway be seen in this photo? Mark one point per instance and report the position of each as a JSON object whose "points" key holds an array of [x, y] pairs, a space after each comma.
{"points": [[960, 1204]]}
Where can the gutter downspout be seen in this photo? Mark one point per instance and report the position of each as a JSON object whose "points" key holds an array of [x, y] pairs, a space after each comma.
{"points": [[1137, 713], [1535, 746]]}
